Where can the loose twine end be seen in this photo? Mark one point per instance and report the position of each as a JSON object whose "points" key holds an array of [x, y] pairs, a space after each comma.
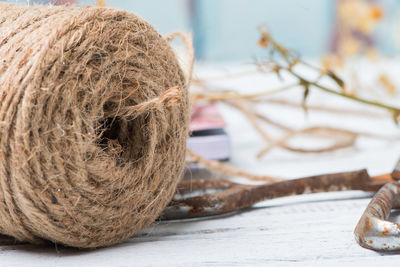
{"points": [[173, 95], [168, 98], [188, 42]]}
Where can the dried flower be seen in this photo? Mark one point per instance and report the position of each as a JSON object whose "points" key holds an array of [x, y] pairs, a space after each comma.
{"points": [[263, 42], [387, 84], [101, 3]]}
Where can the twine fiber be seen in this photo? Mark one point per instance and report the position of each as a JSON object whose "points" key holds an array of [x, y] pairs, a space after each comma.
{"points": [[93, 124]]}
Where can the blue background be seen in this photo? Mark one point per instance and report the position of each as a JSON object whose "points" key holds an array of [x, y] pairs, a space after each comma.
{"points": [[226, 30]]}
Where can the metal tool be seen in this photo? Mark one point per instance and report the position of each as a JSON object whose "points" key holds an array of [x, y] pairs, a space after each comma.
{"points": [[202, 198], [396, 171], [373, 231]]}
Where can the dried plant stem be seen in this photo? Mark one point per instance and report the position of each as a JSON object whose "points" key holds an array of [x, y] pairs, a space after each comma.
{"points": [[322, 108], [227, 76], [252, 118], [291, 60], [231, 95], [229, 170], [342, 138], [272, 122], [390, 108]]}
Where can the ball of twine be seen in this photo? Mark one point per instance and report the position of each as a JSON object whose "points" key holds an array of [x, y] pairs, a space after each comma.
{"points": [[93, 124]]}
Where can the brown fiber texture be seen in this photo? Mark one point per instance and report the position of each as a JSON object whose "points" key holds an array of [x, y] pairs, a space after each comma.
{"points": [[93, 124]]}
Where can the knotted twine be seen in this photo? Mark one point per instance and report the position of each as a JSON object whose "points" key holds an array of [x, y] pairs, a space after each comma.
{"points": [[93, 124]]}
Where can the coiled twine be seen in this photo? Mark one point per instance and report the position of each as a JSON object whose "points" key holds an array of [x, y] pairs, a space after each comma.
{"points": [[93, 124]]}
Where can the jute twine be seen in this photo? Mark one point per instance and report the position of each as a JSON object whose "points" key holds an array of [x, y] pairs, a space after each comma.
{"points": [[93, 124]]}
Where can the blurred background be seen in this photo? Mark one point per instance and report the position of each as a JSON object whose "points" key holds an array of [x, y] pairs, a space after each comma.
{"points": [[226, 30]]}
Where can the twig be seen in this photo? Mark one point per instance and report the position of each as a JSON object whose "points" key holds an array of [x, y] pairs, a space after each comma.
{"points": [[342, 138], [292, 60], [229, 170], [232, 95], [226, 76], [283, 102], [252, 118]]}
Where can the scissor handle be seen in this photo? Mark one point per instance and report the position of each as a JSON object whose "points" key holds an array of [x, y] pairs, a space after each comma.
{"points": [[373, 231], [396, 171]]}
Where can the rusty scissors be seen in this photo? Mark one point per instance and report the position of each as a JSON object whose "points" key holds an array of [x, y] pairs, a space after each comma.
{"points": [[199, 198], [374, 231]]}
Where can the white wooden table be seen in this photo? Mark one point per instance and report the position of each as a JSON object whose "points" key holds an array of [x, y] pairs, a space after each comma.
{"points": [[312, 230]]}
